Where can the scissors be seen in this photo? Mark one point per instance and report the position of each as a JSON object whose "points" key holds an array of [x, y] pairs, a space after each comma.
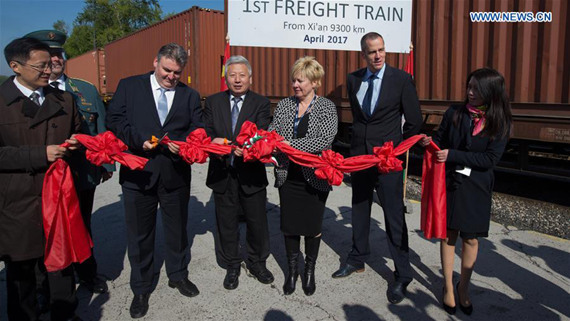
{"points": [[162, 138], [156, 141]]}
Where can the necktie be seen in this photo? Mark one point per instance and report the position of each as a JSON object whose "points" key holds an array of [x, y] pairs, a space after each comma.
{"points": [[54, 84], [367, 101], [235, 112], [35, 97], [162, 106]]}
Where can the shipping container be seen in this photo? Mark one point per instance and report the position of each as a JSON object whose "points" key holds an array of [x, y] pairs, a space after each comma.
{"points": [[89, 66], [199, 31]]}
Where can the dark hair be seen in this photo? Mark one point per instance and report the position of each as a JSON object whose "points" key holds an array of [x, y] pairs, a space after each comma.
{"points": [[175, 52], [369, 36], [493, 92], [19, 49]]}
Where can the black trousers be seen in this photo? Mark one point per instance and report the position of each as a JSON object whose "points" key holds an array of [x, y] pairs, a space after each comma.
{"points": [[257, 235], [87, 270], [389, 188], [21, 286], [140, 214]]}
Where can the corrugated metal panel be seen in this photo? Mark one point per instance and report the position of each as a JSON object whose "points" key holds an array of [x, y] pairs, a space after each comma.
{"points": [[198, 30], [531, 56], [88, 66]]}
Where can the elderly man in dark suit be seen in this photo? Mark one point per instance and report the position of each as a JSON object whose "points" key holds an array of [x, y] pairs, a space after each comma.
{"points": [[35, 120], [236, 184], [156, 104], [379, 96]]}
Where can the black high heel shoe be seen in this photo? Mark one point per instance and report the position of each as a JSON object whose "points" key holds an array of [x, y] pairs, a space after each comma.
{"points": [[465, 309], [449, 309]]}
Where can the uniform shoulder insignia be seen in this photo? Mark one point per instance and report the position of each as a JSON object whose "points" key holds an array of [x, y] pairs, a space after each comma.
{"points": [[81, 80]]}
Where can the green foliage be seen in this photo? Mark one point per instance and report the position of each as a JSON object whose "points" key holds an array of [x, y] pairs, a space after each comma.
{"points": [[104, 21], [60, 25]]}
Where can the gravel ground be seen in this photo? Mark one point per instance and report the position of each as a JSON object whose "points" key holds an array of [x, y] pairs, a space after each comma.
{"points": [[522, 213]]}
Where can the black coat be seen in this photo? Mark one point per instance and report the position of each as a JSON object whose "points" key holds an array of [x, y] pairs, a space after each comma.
{"points": [[397, 97], [133, 118], [468, 197], [25, 132], [218, 123]]}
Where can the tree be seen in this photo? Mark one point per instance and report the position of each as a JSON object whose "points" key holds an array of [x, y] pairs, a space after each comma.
{"points": [[104, 21], [60, 25]]}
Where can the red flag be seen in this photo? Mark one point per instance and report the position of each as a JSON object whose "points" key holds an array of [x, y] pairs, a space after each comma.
{"points": [[409, 68], [223, 86]]}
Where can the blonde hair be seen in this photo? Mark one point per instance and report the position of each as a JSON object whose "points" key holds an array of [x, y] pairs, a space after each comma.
{"points": [[308, 67]]}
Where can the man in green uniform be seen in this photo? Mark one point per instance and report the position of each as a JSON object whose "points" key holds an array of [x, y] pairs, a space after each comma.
{"points": [[86, 175]]}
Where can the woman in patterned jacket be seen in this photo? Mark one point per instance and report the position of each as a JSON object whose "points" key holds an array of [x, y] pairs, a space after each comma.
{"points": [[308, 123]]}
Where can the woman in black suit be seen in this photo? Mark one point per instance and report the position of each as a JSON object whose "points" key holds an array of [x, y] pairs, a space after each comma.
{"points": [[472, 137], [308, 123]]}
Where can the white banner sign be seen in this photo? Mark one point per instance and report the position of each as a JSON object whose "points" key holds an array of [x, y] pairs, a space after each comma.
{"points": [[323, 24]]}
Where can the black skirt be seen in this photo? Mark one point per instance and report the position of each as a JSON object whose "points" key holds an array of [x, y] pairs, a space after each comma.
{"points": [[302, 206]]}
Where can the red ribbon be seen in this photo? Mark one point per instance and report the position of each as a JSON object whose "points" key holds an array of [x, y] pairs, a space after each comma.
{"points": [[330, 166], [434, 195], [259, 145], [106, 148], [197, 147], [67, 238]]}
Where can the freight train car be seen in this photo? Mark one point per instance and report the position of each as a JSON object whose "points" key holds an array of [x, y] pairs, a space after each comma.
{"points": [[200, 31], [533, 57]]}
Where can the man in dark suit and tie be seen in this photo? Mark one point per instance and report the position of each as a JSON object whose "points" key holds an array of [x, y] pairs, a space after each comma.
{"points": [[379, 95], [156, 104], [236, 184]]}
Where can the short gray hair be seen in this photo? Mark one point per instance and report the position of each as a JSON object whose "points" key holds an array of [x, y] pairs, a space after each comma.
{"points": [[175, 52], [237, 60]]}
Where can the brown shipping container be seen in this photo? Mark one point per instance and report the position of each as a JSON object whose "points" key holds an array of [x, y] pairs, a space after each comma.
{"points": [[533, 57], [89, 66], [200, 31]]}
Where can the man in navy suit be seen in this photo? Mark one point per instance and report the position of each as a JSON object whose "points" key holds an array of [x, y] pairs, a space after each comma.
{"points": [[155, 104], [379, 95], [237, 184]]}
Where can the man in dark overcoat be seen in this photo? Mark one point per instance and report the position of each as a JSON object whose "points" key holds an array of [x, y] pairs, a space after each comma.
{"points": [[86, 175], [35, 120]]}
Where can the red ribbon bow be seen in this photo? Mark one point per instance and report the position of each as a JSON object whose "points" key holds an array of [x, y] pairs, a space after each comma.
{"points": [[263, 145], [330, 169], [106, 148], [197, 147], [67, 239]]}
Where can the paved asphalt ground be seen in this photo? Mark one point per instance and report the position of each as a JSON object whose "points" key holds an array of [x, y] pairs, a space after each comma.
{"points": [[519, 275]]}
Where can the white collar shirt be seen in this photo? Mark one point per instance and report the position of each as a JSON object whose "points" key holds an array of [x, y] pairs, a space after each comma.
{"points": [[156, 92], [28, 92]]}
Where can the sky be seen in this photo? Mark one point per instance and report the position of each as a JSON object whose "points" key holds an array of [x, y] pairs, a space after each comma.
{"points": [[19, 17]]}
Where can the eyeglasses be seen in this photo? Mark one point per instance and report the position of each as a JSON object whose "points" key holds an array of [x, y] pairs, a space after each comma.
{"points": [[42, 68]]}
